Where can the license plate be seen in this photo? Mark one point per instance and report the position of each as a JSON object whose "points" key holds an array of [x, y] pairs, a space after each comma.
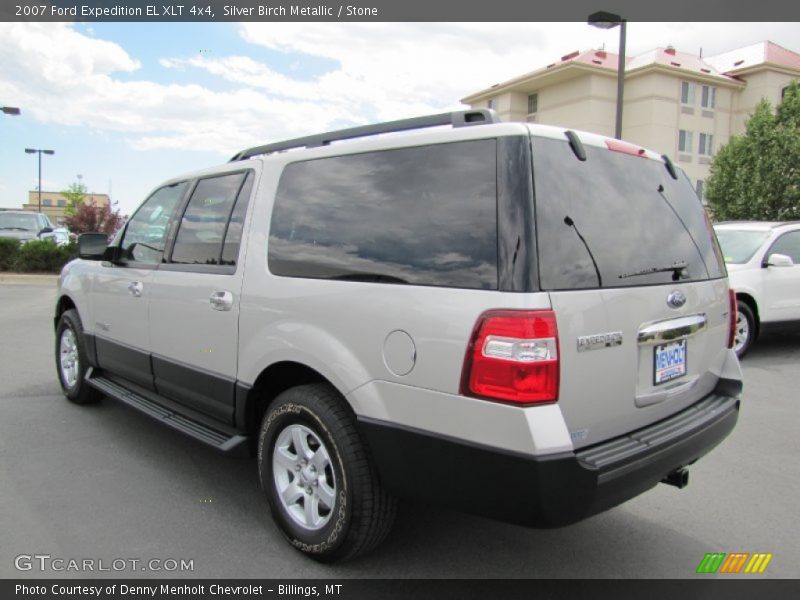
{"points": [[669, 361]]}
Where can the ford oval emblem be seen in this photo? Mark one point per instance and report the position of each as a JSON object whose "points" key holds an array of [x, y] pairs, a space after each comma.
{"points": [[676, 299]]}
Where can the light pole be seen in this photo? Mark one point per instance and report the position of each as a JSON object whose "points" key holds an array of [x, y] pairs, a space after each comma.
{"points": [[10, 110], [607, 20], [39, 152]]}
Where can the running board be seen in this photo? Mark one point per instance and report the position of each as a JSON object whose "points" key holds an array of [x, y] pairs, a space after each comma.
{"points": [[229, 444]]}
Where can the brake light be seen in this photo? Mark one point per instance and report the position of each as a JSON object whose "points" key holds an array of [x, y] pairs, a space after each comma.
{"points": [[732, 313], [513, 356]]}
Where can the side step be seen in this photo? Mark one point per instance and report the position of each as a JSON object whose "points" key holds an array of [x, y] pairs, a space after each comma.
{"points": [[229, 444]]}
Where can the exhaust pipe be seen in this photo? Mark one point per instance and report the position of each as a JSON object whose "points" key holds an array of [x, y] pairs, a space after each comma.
{"points": [[678, 478]]}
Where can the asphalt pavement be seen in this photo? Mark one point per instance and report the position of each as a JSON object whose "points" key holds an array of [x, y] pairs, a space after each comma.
{"points": [[104, 483]]}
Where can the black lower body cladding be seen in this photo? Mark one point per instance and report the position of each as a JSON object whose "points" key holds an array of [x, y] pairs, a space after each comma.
{"points": [[552, 490]]}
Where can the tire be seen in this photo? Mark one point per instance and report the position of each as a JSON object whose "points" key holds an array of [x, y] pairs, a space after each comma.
{"points": [[71, 360], [350, 513], [745, 329]]}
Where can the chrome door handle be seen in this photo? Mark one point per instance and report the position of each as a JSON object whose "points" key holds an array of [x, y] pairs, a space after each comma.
{"points": [[221, 300], [135, 288]]}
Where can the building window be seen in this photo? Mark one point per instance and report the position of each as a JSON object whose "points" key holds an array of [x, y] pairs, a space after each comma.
{"points": [[687, 93], [47, 202], [709, 96], [490, 104], [684, 141], [706, 144], [700, 189], [62, 203], [533, 103]]}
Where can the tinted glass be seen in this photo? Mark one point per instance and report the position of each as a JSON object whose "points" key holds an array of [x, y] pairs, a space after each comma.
{"points": [[202, 227], [739, 246], [233, 237], [788, 244], [424, 215], [621, 212], [143, 240]]}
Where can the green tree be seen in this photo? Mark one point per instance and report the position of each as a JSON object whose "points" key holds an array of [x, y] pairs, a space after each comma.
{"points": [[74, 195], [756, 176]]}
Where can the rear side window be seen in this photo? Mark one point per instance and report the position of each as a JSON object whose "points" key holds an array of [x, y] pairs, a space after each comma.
{"points": [[423, 216], [205, 221], [617, 220]]}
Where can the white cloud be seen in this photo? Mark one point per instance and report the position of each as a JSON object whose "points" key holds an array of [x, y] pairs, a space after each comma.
{"points": [[381, 71]]}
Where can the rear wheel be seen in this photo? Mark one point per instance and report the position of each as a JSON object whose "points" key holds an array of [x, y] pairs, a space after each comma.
{"points": [[745, 329], [71, 360], [322, 488]]}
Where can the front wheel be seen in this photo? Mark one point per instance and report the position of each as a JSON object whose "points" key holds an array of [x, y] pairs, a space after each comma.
{"points": [[745, 329], [71, 360], [322, 488]]}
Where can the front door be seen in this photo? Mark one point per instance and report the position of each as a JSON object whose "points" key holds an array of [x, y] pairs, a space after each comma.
{"points": [[122, 289]]}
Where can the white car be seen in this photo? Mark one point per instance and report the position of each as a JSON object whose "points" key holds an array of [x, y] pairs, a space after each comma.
{"points": [[763, 260]]}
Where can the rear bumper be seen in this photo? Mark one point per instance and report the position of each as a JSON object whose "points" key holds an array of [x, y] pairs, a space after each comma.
{"points": [[551, 490]]}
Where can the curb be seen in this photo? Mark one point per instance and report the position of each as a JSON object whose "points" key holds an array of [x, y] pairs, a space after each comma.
{"points": [[28, 278]]}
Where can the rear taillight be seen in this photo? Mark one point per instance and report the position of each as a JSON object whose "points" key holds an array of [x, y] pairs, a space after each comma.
{"points": [[732, 315], [513, 356]]}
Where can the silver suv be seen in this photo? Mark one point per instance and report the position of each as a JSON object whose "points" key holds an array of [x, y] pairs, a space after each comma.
{"points": [[513, 320]]}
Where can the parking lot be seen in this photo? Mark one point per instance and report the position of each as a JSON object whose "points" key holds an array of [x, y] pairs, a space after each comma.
{"points": [[105, 482]]}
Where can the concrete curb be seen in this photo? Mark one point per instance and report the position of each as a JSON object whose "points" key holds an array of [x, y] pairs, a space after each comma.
{"points": [[48, 279]]}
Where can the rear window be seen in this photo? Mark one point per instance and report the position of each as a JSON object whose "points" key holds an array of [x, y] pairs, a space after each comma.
{"points": [[424, 216], [616, 220]]}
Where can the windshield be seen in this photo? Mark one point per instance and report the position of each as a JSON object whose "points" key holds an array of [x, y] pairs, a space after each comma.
{"points": [[617, 220], [16, 221], [738, 245]]}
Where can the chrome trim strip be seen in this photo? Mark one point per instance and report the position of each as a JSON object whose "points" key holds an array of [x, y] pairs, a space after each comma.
{"points": [[672, 329]]}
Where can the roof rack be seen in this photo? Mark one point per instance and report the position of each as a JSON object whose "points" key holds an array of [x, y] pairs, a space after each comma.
{"points": [[461, 118]]}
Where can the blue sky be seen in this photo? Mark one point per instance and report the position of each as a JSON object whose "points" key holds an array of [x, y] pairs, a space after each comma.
{"points": [[127, 105]]}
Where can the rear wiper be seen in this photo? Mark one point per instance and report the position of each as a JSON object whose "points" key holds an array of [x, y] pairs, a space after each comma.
{"points": [[678, 270], [371, 277]]}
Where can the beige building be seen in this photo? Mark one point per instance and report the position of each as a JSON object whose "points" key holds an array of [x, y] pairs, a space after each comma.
{"points": [[54, 204], [675, 103]]}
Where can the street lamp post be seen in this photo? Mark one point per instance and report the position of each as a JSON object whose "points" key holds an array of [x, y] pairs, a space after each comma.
{"points": [[607, 20], [10, 110], [39, 152]]}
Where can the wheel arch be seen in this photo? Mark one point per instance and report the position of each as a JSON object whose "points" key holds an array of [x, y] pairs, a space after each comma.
{"points": [[272, 381], [750, 301], [64, 304]]}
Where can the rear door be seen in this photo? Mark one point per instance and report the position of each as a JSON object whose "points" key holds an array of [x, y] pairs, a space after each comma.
{"points": [[637, 285], [194, 298]]}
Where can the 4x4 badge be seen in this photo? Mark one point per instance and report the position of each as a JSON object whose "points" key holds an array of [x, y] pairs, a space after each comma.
{"points": [[676, 299]]}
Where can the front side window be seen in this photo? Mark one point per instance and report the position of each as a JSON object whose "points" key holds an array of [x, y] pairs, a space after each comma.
{"points": [[424, 216], [687, 93], [144, 237], [204, 223], [788, 244]]}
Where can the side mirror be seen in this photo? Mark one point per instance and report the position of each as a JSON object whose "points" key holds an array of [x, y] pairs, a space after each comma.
{"points": [[779, 260], [92, 246], [46, 230]]}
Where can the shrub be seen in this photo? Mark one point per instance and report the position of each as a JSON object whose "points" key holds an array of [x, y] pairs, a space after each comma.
{"points": [[43, 256], [8, 253]]}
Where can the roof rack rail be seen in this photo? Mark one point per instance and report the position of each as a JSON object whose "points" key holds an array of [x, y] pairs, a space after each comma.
{"points": [[461, 118]]}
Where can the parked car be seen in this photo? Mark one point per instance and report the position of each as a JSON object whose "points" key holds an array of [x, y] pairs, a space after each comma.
{"points": [[25, 226], [763, 260], [515, 320], [62, 236]]}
